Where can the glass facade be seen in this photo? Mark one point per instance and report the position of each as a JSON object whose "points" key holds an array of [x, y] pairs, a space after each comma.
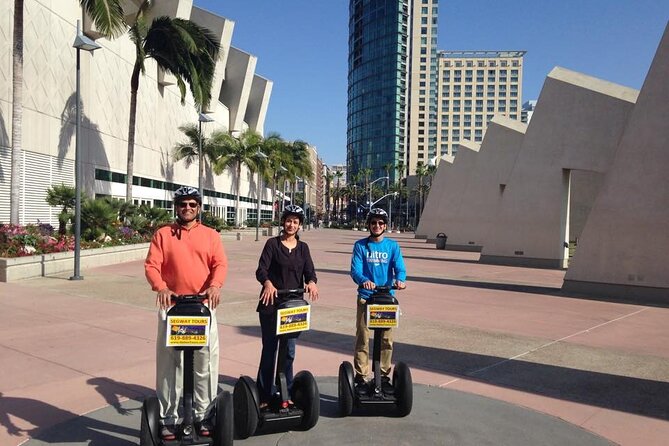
{"points": [[377, 84]]}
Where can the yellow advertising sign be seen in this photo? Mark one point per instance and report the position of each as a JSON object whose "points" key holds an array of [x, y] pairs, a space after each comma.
{"points": [[291, 320], [383, 316], [187, 331]]}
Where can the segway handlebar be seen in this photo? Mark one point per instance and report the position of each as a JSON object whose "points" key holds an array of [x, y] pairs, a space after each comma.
{"points": [[291, 291], [383, 289], [193, 298]]}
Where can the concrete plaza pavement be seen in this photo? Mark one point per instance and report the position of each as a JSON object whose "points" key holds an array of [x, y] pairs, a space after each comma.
{"points": [[501, 342]]}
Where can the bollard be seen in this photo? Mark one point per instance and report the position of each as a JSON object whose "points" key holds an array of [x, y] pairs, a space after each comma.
{"points": [[441, 241]]}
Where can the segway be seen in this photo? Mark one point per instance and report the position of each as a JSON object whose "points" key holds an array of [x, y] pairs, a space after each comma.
{"points": [[188, 330], [382, 313], [293, 315]]}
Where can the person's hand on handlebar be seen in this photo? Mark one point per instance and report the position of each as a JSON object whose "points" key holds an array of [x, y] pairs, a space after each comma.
{"points": [[213, 294], [368, 285], [164, 298], [400, 285], [268, 293], [312, 289]]}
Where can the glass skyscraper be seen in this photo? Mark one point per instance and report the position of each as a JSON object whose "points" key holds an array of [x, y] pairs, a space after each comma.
{"points": [[377, 84], [391, 85]]}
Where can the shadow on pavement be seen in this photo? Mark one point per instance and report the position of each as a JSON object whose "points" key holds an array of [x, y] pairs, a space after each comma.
{"points": [[39, 414], [622, 393]]}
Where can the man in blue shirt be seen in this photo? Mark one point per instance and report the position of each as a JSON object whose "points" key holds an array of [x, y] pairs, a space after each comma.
{"points": [[376, 261]]}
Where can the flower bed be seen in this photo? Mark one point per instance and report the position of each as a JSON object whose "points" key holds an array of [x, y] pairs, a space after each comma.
{"points": [[35, 250]]}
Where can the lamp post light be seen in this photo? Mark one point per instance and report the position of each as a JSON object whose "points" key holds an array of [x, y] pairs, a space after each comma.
{"points": [[81, 42], [260, 156], [202, 117], [369, 192]]}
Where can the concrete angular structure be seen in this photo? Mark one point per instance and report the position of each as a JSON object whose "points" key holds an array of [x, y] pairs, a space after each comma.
{"points": [[577, 125], [469, 217], [237, 86], [624, 247], [448, 183]]}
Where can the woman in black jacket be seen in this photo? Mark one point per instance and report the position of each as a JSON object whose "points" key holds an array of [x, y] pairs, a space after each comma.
{"points": [[285, 263]]}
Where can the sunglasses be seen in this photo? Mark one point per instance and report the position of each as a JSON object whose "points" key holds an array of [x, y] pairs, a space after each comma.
{"points": [[377, 223], [189, 204]]}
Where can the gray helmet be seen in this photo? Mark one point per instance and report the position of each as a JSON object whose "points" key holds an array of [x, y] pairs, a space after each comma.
{"points": [[293, 209], [377, 213], [187, 192]]}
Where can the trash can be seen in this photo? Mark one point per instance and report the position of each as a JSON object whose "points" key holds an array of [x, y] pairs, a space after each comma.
{"points": [[441, 240]]}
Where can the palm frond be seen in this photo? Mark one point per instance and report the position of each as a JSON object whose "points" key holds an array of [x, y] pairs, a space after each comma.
{"points": [[107, 15]]}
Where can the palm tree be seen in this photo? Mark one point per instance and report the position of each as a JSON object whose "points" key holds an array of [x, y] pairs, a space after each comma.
{"points": [[62, 196], [421, 172], [189, 151], [389, 167], [328, 177], [233, 153], [366, 173], [273, 148], [179, 47], [300, 162], [17, 113], [400, 172], [338, 175]]}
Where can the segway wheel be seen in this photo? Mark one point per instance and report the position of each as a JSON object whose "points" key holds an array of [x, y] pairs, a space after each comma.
{"points": [[306, 396], [403, 389], [225, 429], [245, 402], [149, 431], [345, 387]]}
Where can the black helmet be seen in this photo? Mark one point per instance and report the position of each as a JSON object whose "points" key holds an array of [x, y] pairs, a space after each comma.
{"points": [[292, 209], [187, 192], [377, 213]]}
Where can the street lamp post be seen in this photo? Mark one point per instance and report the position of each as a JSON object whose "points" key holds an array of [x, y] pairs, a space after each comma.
{"points": [[369, 192], [200, 158], [259, 186], [81, 42]]}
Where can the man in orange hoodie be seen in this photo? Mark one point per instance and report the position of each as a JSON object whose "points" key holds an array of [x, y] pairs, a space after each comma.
{"points": [[186, 257]]}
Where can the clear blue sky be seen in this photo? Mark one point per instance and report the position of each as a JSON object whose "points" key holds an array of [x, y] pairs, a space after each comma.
{"points": [[302, 46]]}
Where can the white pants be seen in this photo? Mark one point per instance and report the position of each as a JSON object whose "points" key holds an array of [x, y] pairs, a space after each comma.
{"points": [[169, 374]]}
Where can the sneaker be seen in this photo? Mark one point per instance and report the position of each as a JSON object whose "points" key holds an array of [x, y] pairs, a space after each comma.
{"points": [[361, 387], [204, 428], [168, 432], [386, 387]]}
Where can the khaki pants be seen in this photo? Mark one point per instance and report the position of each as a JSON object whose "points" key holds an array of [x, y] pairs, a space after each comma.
{"points": [[361, 357], [169, 374]]}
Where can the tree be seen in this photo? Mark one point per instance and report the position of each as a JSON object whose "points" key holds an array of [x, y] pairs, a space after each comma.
{"points": [[233, 153], [328, 177], [277, 157], [17, 113], [338, 175], [62, 196], [401, 169], [421, 172], [179, 47], [189, 151]]}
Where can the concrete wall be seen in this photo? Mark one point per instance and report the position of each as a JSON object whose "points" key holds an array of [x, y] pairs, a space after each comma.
{"points": [[625, 243], [577, 125], [49, 108], [469, 217], [436, 203]]}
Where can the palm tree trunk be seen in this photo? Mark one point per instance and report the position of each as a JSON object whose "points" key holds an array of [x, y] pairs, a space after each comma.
{"points": [[17, 113], [134, 86]]}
